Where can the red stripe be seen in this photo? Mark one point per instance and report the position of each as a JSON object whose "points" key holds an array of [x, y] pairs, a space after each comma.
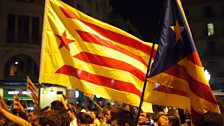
{"points": [[113, 35], [121, 39], [194, 57], [195, 117], [35, 97], [3, 105], [200, 89], [168, 90], [99, 80], [88, 37], [31, 86], [110, 62], [68, 14]]}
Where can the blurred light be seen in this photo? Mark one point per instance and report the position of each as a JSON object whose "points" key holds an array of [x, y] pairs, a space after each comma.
{"points": [[16, 62], [97, 96], [76, 94], [30, 108], [207, 75]]}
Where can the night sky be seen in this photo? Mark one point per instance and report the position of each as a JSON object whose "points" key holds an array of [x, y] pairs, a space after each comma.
{"points": [[146, 15]]}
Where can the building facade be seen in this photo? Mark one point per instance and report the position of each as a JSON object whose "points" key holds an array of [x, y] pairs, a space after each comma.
{"points": [[20, 43]]}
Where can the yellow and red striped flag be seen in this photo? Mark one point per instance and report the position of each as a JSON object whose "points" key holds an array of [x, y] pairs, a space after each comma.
{"points": [[17, 104], [177, 76], [3, 104], [33, 91], [84, 53]]}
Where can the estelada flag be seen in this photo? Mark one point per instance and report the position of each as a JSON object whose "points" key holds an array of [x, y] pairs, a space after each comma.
{"points": [[81, 52], [177, 76], [33, 91], [3, 104], [17, 104]]}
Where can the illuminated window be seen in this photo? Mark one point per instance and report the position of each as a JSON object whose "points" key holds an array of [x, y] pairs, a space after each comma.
{"points": [[19, 66], [210, 29]]}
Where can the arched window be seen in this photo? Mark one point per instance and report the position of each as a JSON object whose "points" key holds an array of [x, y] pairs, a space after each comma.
{"points": [[19, 67]]}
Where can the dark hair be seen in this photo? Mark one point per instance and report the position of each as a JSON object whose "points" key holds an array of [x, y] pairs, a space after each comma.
{"points": [[57, 105], [212, 119], [84, 118], [123, 117], [51, 118], [173, 120]]}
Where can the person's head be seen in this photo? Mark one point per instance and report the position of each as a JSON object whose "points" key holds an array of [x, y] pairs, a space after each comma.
{"points": [[173, 120], [109, 111], [33, 115], [212, 119], [143, 117], [163, 120], [84, 118], [127, 107], [57, 105], [70, 105], [122, 118], [51, 118]]}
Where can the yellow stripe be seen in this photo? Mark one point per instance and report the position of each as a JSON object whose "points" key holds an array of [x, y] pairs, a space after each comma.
{"points": [[87, 18], [114, 73], [66, 24], [92, 88], [194, 71], [198, 103], [164, 99], [79, 45]]}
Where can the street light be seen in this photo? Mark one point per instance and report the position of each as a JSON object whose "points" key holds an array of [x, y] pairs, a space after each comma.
{"points": [[207, 75]]}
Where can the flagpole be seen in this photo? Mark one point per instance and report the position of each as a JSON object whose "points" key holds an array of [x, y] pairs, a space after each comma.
{"points": [[147, 73], [145, 82], [43, 38], [42, 48]]}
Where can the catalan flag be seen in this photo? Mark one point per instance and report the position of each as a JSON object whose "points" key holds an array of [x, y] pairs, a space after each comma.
{"points": [[3, 104], [81, 52], [32, 89], [17, 104], [177, 71]]}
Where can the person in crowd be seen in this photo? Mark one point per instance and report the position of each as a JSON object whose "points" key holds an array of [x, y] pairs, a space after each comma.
{"points": [[15, 119], [212, 119], [127, 107], [70, 105], [57, 105], [109, 111], [33, 115], [51, 118], [72, 113], [2, 119], [122, 118], [144, 119], [93, 114], [173, 120], [84, 119], [163, 120], [158, 110]]}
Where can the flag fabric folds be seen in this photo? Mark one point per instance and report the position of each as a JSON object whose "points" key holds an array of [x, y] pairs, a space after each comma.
{"points": [[81, 52], [17, 104], [177, 71], [3, 104], [34, 94]]}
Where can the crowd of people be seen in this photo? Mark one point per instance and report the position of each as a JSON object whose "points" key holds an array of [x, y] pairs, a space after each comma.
{"points": [[111, 115]]}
